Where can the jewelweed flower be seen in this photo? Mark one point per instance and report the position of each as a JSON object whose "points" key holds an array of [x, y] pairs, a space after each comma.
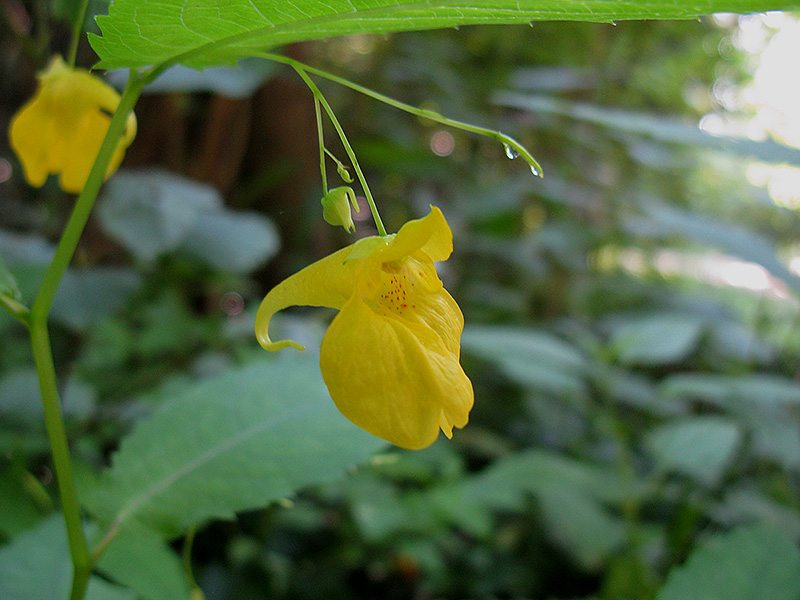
{"points": [[61, 128], [390, 358]]}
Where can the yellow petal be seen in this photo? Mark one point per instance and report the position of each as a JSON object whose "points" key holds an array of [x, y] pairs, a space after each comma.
{"points": [[327, 282], [28, 127], [61, 128], [393, 378], [431, 234]]}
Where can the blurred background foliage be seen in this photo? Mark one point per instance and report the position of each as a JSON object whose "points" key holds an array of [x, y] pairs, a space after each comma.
{"points": [[632, 319]]}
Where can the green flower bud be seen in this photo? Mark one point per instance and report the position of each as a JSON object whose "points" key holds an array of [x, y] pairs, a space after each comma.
{"points": [[336, 207]]}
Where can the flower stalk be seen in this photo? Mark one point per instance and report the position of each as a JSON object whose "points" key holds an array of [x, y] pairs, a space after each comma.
{"points": [[40, 340], [511, 146], [301, 70]]}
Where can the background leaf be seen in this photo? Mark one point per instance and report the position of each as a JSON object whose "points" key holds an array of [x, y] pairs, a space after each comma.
{"points": [[140, 559], [198, 34], [701, 447], [152, 212], [660, 129], [36, 566], [231, 443], [757, 562], [656, 339]]}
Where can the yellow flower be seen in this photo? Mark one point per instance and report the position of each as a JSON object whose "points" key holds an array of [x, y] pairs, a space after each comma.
{"points": [[61, 128], [390, 358]]}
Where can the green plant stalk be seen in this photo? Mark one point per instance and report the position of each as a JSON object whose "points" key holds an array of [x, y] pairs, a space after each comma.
{"points": [[512, 146], [339, 167], [40, 339], [77, 32], [299, 67], [321, 147]]}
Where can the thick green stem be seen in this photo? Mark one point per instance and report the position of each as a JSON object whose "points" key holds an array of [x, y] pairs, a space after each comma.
{"points": [[512, 147], [59, 447], [347, 147], [40, 340]]}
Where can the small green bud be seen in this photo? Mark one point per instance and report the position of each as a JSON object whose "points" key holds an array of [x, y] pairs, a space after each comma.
{"points": [[344, 173], [336, 207]]}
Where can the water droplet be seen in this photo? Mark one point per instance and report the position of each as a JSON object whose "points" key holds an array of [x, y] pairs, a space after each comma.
{"points": [[510, 152], [535, 171]]}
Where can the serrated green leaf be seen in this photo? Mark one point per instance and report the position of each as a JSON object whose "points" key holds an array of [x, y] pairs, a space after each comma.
{"points": [[700, 447], [756, 562], [197, 33], [231, 443]]}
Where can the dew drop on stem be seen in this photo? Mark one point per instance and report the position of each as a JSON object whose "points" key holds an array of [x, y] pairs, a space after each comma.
{"points": [[510, 152]]}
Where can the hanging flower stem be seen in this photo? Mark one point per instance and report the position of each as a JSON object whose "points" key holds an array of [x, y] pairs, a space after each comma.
{"points": [[321, 137], [77, 32], [300, 68], [512, 147], [40, 339]]}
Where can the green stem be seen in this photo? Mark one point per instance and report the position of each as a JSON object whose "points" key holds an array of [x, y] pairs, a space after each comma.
{"points": [[77, 31], [59, 446], [321, 147], [340, 168], [40, 340], [84, 203], [299, 67], [512, 147]]}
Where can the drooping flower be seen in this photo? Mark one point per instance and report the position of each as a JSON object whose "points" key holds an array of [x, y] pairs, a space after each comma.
{"points": [[59, 131], [390, 358]]}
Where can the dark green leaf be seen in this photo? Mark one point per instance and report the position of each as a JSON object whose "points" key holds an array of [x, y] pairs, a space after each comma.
{"points": [[757, 562]]}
